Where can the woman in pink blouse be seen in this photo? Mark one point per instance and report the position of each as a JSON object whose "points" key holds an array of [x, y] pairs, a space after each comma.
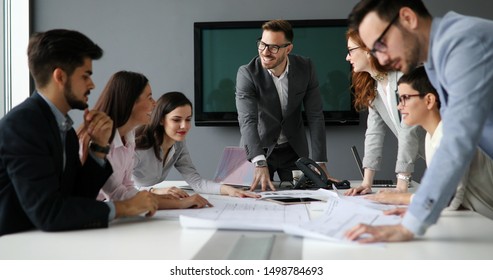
{"points": [[127, 99]]}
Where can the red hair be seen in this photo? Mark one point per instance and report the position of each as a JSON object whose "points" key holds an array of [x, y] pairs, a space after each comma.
{"points": [[363, 85]]}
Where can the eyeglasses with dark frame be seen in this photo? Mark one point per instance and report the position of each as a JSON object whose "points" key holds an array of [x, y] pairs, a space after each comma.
{"points": [[349, 51], [272, 48], [405, 97], [379, 45]]}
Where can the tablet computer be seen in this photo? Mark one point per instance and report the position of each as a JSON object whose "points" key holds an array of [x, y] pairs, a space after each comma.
{"points": [[292, 200]]}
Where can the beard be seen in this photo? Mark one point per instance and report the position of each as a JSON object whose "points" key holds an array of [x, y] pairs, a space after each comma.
{"points": [[279, 61], [412, 52], [72, 100], [412, 61]]}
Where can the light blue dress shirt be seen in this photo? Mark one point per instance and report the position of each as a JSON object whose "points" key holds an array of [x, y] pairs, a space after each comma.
{"points": [[65, 124], [460, 67]]}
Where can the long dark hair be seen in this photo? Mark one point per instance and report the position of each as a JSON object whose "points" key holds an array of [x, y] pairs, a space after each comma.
{"points": [[119, 96], [152, 134]]}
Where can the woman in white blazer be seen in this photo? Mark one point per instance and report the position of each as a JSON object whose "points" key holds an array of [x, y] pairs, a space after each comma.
{"points": [[376, 89]]}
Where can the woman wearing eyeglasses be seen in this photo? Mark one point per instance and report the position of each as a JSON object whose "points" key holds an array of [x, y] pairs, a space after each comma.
{"points": [[375, 88], [420, 105]]}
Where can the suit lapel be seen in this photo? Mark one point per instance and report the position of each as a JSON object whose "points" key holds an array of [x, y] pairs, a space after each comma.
{"points": [[393, 95], [72, 161], [54, 130], [271, 96], [382, 110]]}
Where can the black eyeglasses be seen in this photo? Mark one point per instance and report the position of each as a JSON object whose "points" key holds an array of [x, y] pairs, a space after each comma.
{"points": [[272, 48], [405, 97], [349, 51], [379, 45]]}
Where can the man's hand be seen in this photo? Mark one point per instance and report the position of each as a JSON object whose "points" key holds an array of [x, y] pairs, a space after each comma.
{"points": [[98, 126], [262, 177], [142, 202], [370, 234]]}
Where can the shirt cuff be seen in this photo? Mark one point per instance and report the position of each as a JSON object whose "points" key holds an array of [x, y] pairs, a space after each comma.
{"points": [[100, 161], [257, 158], [411, 223], [112, 214]]}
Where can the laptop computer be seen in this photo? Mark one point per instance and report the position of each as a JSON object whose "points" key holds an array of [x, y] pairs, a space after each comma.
{"points": [[382, 183]]}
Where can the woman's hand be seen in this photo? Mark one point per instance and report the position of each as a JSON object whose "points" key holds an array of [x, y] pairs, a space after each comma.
{"points": [[232, 191], [194, 201], [400, 211], [173, 191], [363, 189], [390, 198]]}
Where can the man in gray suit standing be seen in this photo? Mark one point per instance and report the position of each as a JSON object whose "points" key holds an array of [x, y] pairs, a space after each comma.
{"points": [[271, 91]]}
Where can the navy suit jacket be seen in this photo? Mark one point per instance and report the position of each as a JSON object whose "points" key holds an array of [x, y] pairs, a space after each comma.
{"points": [[35, 190]]}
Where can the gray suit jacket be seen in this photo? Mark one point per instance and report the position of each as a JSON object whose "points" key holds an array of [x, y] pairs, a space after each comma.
{"points": [[410, 139], [259, 109]]}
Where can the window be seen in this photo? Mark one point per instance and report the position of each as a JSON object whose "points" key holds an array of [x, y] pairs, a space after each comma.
{"points": [[16, 30]]}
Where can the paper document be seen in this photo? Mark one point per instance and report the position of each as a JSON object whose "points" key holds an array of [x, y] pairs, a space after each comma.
{"points": [[244, 214], [341, 214], [321, 193], [234, 168]]}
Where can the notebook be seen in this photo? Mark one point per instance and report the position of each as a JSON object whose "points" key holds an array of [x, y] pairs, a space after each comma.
{"points": [[384, 183]]}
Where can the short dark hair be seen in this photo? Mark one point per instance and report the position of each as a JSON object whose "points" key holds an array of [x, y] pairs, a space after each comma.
{"points": [[119, 96], [280, 25], [58, 48], [385, 9], [152, 134], [418, 80]]}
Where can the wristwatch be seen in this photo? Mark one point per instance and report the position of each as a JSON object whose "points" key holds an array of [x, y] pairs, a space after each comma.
{"points": [[99, 149], [261, 163], [406, 178]]}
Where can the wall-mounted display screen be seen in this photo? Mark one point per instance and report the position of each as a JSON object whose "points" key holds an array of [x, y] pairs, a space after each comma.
{"points": [[222, 47]]}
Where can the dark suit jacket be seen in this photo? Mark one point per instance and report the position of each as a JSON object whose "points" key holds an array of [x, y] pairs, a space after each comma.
{"points": [[260, 115], [35, 190]]}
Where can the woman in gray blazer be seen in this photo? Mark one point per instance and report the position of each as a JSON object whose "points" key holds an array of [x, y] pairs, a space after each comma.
{"points": [[376, 89], [160, 146]]}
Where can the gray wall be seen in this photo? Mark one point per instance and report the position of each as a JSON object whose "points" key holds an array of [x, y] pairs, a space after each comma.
{"points": [[155, 37]]}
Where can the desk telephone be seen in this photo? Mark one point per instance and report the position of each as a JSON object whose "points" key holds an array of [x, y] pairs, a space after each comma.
{"points": [[314, 177]]}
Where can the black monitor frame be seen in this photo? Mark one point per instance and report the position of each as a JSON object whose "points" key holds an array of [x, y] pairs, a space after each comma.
{"points": [[229, 118]]}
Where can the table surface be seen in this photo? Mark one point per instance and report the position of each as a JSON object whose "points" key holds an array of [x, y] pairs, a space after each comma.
{"points": [[457, 235]]}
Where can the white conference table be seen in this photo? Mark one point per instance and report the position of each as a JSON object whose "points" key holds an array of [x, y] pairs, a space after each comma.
{"points": [[458, 235]]}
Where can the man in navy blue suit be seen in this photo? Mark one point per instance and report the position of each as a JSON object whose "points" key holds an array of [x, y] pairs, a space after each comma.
{"points": [[42, 182]]}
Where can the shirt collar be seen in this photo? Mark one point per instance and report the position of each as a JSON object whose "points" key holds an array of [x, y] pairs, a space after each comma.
{"points": [[435, 24], [64, 122], [286, 71], [129, 138]]}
